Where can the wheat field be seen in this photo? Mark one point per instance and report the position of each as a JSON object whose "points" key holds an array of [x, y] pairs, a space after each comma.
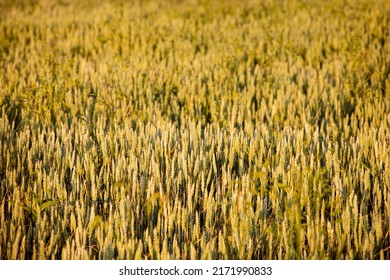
{"points": [[195, 129]]}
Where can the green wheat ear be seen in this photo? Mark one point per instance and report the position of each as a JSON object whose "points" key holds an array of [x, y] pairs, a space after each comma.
{"points": [[95, 223]]}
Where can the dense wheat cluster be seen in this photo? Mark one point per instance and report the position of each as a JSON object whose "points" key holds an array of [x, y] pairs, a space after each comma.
{"points": [[194, 129]]}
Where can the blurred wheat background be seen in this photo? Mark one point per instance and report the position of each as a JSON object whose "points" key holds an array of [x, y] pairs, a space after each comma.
{"points": [[194, 129]]}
